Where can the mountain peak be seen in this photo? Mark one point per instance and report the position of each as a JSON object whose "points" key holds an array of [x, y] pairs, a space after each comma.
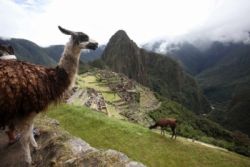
{"points": [[121, 33], [120, 36]]}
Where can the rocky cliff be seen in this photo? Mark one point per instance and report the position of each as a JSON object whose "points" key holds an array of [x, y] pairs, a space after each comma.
{"points": [[162, 74]]}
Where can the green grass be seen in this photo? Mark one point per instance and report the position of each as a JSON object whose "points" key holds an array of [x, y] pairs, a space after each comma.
{"points": [[139, 143], [90, 81]]}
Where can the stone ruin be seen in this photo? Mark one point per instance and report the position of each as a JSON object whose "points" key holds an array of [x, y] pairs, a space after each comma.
{"points": [[96, 100]]}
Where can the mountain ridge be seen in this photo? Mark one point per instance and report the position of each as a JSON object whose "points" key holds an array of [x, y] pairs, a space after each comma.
{"points": [[162, 74]]}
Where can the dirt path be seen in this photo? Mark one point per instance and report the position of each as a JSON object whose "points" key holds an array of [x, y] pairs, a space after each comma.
{"points": [[204, 144], [183, 139]]}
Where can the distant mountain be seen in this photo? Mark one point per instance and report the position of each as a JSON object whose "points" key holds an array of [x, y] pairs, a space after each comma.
{"points": [[189, 56], [227, 72], [160, 73], [220, 69], [29, 51], [55, 52]]}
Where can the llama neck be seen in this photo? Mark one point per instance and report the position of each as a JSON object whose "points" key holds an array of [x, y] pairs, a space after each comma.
{"points": [[70, 60]]}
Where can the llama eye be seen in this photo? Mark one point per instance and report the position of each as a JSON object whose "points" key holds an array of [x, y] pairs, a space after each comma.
{"points": [[84, 38]]}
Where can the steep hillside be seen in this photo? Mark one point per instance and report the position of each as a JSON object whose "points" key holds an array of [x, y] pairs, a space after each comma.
{"points": [[237, 114], [29, 51], [140, 143], [226, 81], [160, 73], [230, 73]]}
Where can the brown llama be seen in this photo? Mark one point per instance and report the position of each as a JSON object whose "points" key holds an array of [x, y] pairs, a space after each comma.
{"points": [[27, 89], [164, 123], [7, 53]]}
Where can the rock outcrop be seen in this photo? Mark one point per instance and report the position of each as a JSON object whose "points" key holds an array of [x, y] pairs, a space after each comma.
{"points": [[58, 148]]}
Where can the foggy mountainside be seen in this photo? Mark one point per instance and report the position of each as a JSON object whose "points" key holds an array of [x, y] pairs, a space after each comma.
{"points": [[161, 74], [223, 72]]}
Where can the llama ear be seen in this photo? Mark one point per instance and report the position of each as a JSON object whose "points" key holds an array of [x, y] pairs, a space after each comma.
{"points": [[65, 31]]}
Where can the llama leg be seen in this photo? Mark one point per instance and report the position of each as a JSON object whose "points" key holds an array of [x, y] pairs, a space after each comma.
{"points": [[25, 142], [173, 132], [11, 134], [32, 139], [163, 131], [27, 138], [27, 152], [172, 129]]}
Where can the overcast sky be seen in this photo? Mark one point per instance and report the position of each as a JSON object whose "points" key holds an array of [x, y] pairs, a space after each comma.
{"points": [[143, 20]]}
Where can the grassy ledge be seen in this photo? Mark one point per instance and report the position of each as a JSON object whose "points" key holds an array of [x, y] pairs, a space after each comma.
{"points": [[139, 143]]}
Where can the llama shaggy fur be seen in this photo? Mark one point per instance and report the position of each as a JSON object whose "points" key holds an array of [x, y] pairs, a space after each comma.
{"points": [[7, 53], [27, 89]]}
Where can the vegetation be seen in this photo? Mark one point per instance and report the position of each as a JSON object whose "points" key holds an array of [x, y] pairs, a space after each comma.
{"points": [[226, 84], [139, 143], [201, 128]]}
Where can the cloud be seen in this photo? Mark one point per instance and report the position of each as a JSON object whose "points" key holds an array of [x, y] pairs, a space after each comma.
{"points": [[143, 20], [228, 21], [18, 16]]}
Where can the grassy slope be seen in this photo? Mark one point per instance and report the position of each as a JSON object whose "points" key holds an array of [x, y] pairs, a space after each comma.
{"points": [[140, 143]]}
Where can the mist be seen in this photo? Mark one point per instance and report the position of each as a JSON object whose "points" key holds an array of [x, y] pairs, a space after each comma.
{"points": [[228, 22]]}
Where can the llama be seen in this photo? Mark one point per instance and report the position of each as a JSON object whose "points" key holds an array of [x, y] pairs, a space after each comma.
{"points": [[27, 89], [7, 52], [164, 123]]}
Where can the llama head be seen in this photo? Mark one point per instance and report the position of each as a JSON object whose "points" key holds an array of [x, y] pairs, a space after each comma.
{"points": [[80, 39], [6, 50]]}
